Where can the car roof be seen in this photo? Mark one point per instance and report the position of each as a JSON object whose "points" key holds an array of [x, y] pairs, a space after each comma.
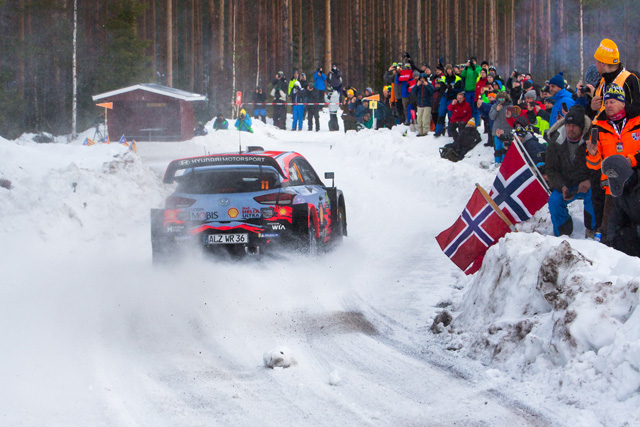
{"points": [[279, 160]]}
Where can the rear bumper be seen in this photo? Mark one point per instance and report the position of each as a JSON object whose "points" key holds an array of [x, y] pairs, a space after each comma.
{"points": [[167, 228]]}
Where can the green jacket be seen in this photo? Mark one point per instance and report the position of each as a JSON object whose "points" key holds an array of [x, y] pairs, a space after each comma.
{"points": [[470, 75]]}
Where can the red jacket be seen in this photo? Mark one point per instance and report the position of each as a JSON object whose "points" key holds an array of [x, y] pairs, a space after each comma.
{"points": [[481, 83], [460, 112]]}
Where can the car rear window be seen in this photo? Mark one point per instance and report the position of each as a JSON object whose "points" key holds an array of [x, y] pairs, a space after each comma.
{"points": [[227, 180]]}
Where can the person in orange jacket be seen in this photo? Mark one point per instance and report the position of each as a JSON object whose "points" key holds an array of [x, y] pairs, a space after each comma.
{"points": [[615, 131]]}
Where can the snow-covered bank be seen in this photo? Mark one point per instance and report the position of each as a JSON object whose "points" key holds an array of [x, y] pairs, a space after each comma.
{"points": [[560, 312]]}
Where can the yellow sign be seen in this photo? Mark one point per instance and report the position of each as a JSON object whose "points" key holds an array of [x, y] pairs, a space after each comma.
{"points": [[373, 105]]}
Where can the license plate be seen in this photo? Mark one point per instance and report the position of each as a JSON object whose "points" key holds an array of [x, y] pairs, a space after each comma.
{"points": [[226, 239]]}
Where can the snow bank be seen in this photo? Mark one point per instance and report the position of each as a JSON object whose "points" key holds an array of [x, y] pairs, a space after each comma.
{"points": [[555, 311]]}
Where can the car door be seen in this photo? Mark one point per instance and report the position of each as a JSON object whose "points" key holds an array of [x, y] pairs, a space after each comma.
{"points": [[311, 188]]}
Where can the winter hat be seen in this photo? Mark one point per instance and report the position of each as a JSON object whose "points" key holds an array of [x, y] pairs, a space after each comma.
{"points": [[522, 127], [528, 84], [618, 172], [351, 92], [369, 91], [243, 113], [550, 100], [607, 52], [558, 80], [614, 92], [531, 94], [502, 95], [575, 116], [407, 66], [440, 67], [491, 96], [281, 73], [471, 122], [424, 76]]}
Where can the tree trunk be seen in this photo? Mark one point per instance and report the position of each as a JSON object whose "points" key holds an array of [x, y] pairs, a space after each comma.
{"points": [[327, 34], [169, 58]]}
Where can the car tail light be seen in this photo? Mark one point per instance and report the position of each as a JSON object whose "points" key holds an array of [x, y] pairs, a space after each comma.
{"points": [[275, 199], [177, 202]]}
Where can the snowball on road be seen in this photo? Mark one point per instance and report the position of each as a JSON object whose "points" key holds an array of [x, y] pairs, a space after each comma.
{"points": [[544, 334]]}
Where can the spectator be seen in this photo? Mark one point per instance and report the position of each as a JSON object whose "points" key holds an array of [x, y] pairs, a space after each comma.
{"points": [[319, 80], [279, 95], [471, 74], [616, 130], [293, 81], [313, 96], [332, 97], [199, 130], [423, 92], [243, 122], [259, 111], [468, 138], [349, 105], [622, 231], [220, 123], [450, 85], [334, 79], [501, 127], [568, 175], [612, 71], [461, 113], [405, 76], [297, 96], [562, 97]]}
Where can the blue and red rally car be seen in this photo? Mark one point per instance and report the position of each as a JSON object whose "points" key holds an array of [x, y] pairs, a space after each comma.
{"points": [[245, 203]]}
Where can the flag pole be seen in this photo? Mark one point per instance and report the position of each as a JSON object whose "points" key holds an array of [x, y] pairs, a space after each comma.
{"points": [[530, 162], [496, 208]]}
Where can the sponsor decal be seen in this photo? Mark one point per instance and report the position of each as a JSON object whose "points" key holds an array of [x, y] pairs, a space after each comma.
{"points": [[233, 213], [200, 214], [175, 228], [268, 235], [250, 212], [221, 159], [276, 226], [636, 136]]}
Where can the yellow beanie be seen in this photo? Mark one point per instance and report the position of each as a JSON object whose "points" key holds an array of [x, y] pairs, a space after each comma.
{"points": [[607, 52], [471, 122]]}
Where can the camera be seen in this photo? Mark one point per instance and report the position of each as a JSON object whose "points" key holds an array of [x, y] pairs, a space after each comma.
{"points": [[584, 89]]}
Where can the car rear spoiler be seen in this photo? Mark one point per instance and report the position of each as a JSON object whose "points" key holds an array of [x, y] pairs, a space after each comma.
{"points": [[215, 160]]}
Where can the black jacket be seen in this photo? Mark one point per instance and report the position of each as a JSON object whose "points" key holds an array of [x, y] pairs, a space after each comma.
{"points": [[622, 229], [561, 170]]}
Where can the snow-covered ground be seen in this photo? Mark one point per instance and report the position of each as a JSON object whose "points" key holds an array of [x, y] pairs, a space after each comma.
{"points": [[545, 333]]}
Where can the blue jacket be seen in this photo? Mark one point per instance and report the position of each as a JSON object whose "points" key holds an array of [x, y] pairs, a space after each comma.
{"points": [[560, 97], [244, 125], [424, 94], [319, 80]]}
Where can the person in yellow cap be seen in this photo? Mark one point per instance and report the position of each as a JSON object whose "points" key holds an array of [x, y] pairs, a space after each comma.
{"points": [[611, 70], [243, 122]]}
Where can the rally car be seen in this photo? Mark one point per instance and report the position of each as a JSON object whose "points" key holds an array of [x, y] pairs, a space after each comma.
{"points": [[245, 203]]}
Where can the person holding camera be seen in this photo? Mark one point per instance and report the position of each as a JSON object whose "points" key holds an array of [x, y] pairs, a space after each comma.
{"points": [[319, 79], [423, 92], [470, 74]]}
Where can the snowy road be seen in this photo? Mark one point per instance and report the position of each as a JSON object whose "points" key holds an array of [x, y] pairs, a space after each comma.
{"points": [[93, 335]]}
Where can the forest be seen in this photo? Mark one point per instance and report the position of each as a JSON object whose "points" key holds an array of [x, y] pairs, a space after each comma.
{"points": [[218, 47]]}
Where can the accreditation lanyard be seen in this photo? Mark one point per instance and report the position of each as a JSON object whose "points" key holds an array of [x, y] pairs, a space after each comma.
{"points": [[615, 129]]}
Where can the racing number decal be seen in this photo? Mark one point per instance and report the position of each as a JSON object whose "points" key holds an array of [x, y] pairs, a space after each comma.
{"points": [[264, 185]]}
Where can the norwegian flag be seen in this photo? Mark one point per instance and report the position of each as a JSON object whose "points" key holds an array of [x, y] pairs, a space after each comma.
{"points": [[472, 234], [516, 190], [519, 195]]}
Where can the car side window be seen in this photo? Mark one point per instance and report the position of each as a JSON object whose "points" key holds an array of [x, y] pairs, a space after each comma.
{"points": [[294, 174], [308, 175]]}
